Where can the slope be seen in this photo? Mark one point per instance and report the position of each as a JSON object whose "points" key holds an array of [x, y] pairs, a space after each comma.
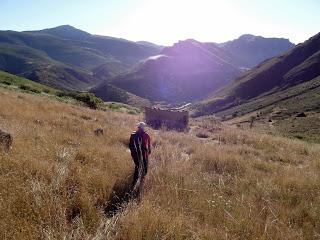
{"points": [[58, 176], [189, 70], [11, 81], [109, 92], [293, 112], [250, 50], [66, 57], [296, 66], [122, 50], [184, 72]]}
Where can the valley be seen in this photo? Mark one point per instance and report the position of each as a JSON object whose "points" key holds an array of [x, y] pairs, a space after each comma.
{"points": [[116, 69]]}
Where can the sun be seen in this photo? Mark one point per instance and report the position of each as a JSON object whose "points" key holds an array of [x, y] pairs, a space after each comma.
{"points": [[168, 21]]}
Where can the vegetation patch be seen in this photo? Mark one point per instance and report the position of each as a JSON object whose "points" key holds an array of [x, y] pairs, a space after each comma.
{"points": [[87, 98], [24, 84], [29, 89]]}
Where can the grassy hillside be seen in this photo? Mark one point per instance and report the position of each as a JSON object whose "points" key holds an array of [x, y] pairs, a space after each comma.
{"points": [[228, 184], [39, 67], [115, 97], [298, 65], [12, 81], [277, 113], [121, 50], [109, 92]]}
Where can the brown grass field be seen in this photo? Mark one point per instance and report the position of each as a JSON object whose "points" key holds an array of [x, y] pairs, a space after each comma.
{"points": [[226, 183]]}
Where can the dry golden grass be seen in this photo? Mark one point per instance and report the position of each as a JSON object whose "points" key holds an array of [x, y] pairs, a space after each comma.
{"points": [[232, 184]]}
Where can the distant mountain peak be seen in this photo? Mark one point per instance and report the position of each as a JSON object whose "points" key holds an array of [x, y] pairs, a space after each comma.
{"points": [[248, 37], [67, 31], [64, 27], [254, 49], [251, 37], [187, 42], [181, 47]]}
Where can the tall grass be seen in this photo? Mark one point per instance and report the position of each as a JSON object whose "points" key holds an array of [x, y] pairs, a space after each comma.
{"points": [[233, 184]]}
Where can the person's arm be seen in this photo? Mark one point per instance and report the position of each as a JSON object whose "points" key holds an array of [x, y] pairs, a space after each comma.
{"points": [[131, 142]]}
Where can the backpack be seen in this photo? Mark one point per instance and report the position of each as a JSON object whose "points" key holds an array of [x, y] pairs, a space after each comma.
{"points": [[135, 145]]}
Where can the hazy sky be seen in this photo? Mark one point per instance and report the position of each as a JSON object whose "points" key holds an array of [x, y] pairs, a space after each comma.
{"points": [[167, 21]]}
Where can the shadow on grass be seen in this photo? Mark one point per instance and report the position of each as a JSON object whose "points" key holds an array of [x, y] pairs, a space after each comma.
{"points": [[123, 192]]}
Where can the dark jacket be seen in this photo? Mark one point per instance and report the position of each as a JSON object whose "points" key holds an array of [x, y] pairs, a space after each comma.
{"points": [[140, 144]]}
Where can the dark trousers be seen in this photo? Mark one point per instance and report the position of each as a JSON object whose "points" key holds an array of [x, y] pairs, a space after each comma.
{"points": [[136, 168]]}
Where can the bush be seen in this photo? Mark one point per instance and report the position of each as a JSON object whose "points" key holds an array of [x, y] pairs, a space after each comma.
{"points": [[29, 89], [235, 114], [61, 94], [133, 112], [114, 106], [46, 90], [7, 83], [88, 98]]}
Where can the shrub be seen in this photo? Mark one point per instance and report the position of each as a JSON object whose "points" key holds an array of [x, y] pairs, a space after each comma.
{"points": [[133, 112], [25, 87], [235, 114], [29, 88], [88, 98], [115, 106], [7, 83], [61, 94], [46, 90]]}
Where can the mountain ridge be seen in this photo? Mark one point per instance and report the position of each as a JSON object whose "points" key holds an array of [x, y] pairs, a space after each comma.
{"points": [[166, 77], [294, 67], [253, 49], [67, 58], [170, 75]]}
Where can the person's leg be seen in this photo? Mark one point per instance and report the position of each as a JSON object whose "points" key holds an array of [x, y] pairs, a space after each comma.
{"points": [[136, 171], [145, 165]]}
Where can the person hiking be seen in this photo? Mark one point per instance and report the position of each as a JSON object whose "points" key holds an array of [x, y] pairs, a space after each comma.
{"points": [[140, 148]]}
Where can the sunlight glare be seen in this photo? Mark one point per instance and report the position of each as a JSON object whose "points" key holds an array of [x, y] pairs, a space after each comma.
{"points": [[168, 21]]}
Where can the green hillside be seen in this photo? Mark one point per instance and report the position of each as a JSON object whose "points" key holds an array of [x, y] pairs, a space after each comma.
{"points": [[109, 92], [68, 58], [11, 81], [37, 65], [112, 95]]}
